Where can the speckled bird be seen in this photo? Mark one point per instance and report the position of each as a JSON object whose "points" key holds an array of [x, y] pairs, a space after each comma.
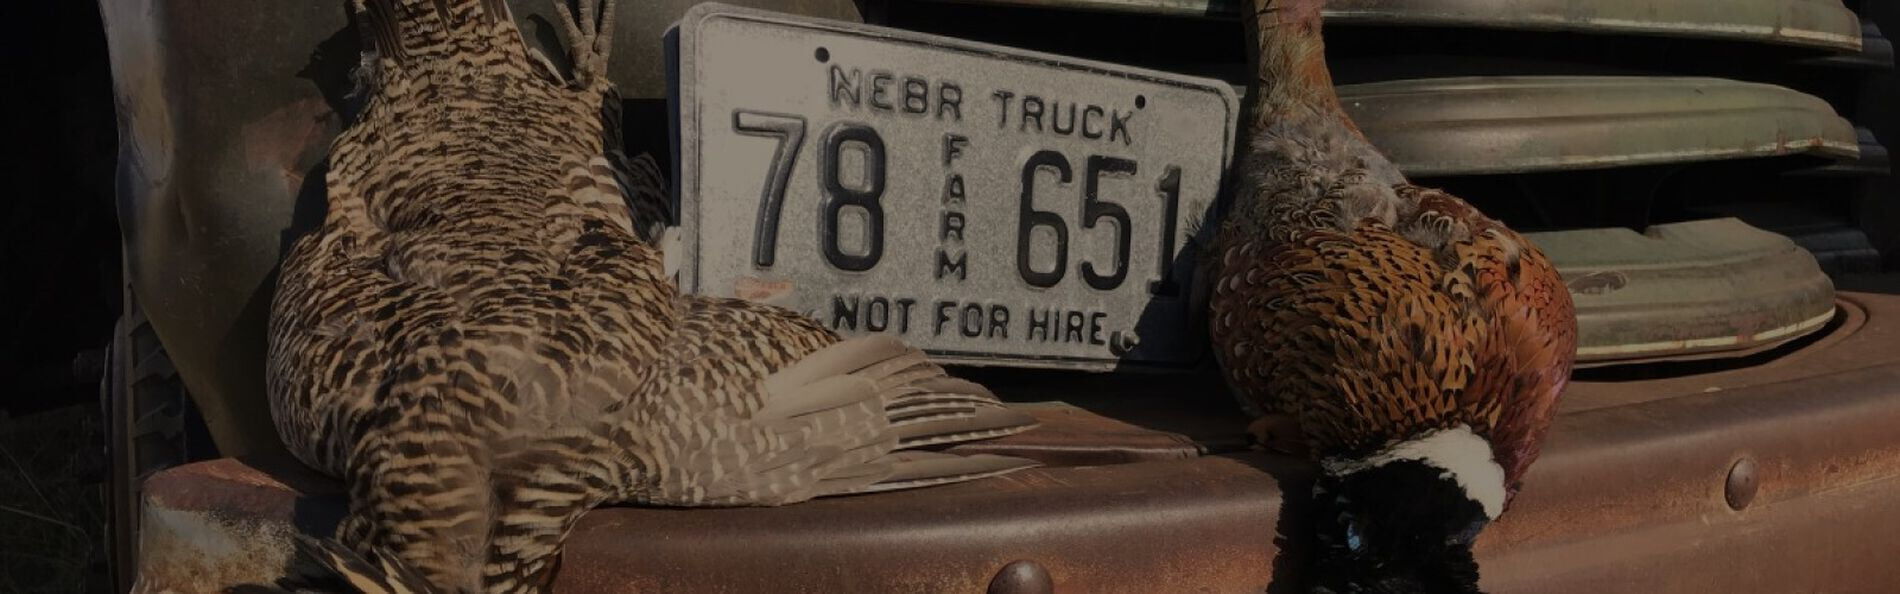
{"points": [[1412, 346], [483, 341]]}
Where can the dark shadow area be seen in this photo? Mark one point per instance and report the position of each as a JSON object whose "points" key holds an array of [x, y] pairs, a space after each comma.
{"points": [[332, 69], [544, 35], [1293, 540], [1194, 404], [60, 233], [1640, 196], [1180, 312], [1887, 283], [644, 130], [59, 248]]}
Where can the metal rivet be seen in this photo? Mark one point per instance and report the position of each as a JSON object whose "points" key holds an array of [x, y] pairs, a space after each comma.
{"points": [[1121, 343], [1022, 577], [1742, 482]]}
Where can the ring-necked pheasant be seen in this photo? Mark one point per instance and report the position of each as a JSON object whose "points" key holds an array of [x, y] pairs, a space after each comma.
{"points": [[1411, 345], [482, 344]]}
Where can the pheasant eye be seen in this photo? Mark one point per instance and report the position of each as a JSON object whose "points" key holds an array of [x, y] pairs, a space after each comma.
{"points": [[1355, 537]]}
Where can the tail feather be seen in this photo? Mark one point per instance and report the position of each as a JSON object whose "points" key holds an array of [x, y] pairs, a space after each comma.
{"points": [[406, 31], [833, 392], [923, 469], [984, 422], [324, 565], [920, 406], [838, 359]]}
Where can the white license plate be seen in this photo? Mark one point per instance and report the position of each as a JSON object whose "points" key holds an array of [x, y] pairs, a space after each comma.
{"points": [[987, 204]]}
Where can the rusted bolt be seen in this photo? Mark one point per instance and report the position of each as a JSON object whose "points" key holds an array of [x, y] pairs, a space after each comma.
{"points": [[1022, 576], [1742, 482]]}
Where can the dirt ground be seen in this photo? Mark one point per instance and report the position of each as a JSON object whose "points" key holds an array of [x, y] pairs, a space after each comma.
{"points": [[52, 511]]}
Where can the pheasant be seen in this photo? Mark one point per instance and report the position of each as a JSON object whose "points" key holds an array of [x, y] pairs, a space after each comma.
{"points": [[483, 341], [1412, 346]]}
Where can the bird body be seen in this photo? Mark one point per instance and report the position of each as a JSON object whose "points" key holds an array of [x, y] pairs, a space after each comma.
{"points": [[484, 342], [1414, 346]]}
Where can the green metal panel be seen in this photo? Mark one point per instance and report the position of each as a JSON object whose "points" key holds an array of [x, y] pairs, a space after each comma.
{"points": [[1687, 290], [1808, 23], [1515, 124]]}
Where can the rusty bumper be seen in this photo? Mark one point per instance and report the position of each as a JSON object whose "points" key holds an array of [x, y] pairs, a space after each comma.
{"points": [[1776, 473]]}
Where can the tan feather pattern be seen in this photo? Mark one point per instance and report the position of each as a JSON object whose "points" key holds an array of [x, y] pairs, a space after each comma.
{"points": [[1368, 309], [481, 342]]}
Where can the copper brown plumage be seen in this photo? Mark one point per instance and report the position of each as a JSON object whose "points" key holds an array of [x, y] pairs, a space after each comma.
{"points": [[1358, 313], [481, 341]]}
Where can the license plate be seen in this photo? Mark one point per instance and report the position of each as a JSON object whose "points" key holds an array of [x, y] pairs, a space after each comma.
{"points": [[990, 205]]}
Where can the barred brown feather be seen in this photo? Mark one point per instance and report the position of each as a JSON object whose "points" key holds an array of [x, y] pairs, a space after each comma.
{"points": [[482, 343]]}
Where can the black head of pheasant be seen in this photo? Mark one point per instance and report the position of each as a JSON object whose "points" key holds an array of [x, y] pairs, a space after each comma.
{"points": [[1413, 346], [1402, 520]]}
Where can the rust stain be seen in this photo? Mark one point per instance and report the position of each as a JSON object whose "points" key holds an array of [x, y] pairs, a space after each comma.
{"points": [[284, 139], [186, 551]]}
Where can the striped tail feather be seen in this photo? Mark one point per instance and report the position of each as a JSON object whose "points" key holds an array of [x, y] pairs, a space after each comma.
{"points": [[915, 469], [923, 407], [325, 565], [409, 31]]}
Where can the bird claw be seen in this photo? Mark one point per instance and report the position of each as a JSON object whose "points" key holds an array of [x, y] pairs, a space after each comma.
{"points": [[590, 38]]}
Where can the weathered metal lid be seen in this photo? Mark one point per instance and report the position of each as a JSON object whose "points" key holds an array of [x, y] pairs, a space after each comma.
{"points": [[1874, 160], [1808, 23], [1516, 124], [1687, 290]]}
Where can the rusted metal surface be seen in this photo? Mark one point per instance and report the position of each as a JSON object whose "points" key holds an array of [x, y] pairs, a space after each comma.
{"points": [[225, 117], [212, 525], [1808, 23], [1516, 124], [1022, 577], [1637, 491], [1742, 483], [1074, 522], [1632, 494], [1687, 289]]}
